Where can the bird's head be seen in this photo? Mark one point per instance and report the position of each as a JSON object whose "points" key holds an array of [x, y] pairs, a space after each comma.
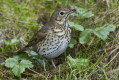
{"points": [[61, 15]]}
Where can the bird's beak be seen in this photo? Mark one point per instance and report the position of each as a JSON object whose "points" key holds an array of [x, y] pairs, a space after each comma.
{"points": [[72, 9]]}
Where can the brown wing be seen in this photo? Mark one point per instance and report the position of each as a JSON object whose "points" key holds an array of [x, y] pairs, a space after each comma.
{"points": [[39, 36]]}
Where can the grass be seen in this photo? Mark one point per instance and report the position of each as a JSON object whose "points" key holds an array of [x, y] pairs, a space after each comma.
{"points": [[20, 20]]}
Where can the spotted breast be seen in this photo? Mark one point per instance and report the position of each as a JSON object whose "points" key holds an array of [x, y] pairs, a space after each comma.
{"points": [[55, 43]]}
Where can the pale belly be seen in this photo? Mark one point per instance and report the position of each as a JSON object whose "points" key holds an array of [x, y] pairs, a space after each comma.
{"points": [[54, 47]]}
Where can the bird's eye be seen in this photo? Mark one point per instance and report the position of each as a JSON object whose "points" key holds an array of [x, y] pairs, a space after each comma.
{"points": [[61, 13]]}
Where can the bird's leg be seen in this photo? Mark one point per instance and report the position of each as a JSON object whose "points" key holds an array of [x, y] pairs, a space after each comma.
{"points": [[44, 66], [53, 63], [41, 62]]}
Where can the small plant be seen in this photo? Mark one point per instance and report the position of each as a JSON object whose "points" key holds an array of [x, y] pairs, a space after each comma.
{"points": [[100, 32], [6, 45], [82, 13], [78, 62], [14, 41], [18, 64]]}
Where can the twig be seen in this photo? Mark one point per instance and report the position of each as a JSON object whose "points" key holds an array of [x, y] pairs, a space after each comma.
{"points": [[34, 71], [112, 58], [113, 71], [114, 50], [20, 21]]}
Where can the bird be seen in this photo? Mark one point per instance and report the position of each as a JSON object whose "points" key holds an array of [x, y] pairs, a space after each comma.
{"points": [[53, 38]]}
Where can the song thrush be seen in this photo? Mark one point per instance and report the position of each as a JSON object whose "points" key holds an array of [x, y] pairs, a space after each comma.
{"points": [[53, 38]]}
